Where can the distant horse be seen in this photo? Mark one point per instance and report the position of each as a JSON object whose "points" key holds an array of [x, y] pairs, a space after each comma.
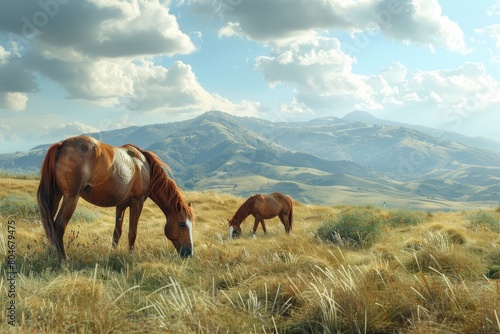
{"points": [[263, 207], [108, 176]]}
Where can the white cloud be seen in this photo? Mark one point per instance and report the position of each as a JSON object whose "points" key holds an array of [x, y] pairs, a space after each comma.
{"points": [[394, 73], [74, 30], [7, 135], [176, 90], [295, 108], [65, 130], [90, 48], [492, 31], [322, 74], [494, 9], [420, 22], [279, 21], [13, 101], [324, 81], [4, 54], [467, 87], [15, 80]]}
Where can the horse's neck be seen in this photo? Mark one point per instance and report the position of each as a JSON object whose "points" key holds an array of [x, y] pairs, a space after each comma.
{"points": [[164, 197], [241, 217], [242, 213], [161, 203]]}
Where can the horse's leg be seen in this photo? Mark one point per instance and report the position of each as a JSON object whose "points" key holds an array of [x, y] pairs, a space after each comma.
{"points": [[285, 222], [135, 212], [255, 224], [263, 225], [68, 206], [120, 213]]}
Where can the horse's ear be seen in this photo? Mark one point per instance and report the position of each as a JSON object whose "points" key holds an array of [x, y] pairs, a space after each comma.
{"points": [[179, 207], [189, 204]]}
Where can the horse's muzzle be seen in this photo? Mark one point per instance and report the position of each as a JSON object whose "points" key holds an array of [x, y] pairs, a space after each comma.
{"points": [[185, 251]]}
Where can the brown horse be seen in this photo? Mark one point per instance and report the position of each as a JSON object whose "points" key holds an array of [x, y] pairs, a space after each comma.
{"points": [[108, 176], [263, 207]]}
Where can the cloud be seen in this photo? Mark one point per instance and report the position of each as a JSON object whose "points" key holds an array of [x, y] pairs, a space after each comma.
{"points": [[65, 130], [324, 81], [100, 81], [13, 101], [93, 49], [468, 88], [176, 90], [15, 80], [295, 108], [4, 55], [494, 9], [492, 32], [7, 135], [419, 22], [279, 21], [95, 28], [321, 73]]}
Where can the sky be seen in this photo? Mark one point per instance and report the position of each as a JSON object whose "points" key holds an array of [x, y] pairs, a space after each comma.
{"points": [[69, 67]]}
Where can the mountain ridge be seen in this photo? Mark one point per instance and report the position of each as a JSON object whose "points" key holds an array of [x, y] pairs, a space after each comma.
{"points": [[480, 142], [326, 161]]}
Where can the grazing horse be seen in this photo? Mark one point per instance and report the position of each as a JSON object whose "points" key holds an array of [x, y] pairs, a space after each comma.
{"points": [[263, 207], [104, 175]]}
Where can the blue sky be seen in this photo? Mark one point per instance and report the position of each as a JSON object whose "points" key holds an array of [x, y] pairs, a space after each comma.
{"points": [[73, 66]]}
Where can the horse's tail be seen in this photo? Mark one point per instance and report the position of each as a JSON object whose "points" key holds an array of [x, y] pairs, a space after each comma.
{"points": [[46, 191]]}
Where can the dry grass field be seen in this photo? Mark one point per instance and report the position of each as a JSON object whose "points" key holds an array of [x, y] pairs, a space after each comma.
{"points": [[341, 270]]}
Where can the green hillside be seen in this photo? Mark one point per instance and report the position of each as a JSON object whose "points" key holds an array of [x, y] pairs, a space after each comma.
{"points": [[329, 160]]}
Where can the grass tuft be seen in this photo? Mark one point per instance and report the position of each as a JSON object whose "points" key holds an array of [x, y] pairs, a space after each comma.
{"points": [[484, 220], [352, 227]]}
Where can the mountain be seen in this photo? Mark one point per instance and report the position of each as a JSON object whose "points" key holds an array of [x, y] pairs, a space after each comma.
{"points": [[328, 160], [480, 142]]}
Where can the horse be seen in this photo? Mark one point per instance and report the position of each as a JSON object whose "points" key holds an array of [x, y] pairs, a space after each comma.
{"points": [[109, 176], [263, 207]]}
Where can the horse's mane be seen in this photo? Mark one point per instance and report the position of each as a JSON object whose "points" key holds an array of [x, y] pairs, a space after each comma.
{"points": [[162, 184], [244, 210]]}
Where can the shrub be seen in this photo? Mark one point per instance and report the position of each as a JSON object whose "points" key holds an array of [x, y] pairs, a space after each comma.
{"points": [[484, 219], [20, 174], [21, 205], [25, 206], [354, 226], [406, 217]]}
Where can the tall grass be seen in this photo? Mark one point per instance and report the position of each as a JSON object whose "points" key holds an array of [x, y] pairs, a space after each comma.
{"points": [[25, 206], [484, 219], [353, 226], [426, 275]]}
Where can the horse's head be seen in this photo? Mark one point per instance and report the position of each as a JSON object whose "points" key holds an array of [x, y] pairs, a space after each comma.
{"points": [[234, 228], [179, 229]]}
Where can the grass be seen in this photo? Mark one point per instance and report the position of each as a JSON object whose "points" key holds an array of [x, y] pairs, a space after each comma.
{"points": [[416, 273], [484, 219], [353, 226]]}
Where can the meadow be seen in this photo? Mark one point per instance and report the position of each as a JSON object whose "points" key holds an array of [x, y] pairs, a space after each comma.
{"points": [[343, 269]]}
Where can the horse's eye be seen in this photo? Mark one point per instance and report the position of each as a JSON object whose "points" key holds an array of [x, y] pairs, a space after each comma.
{"points": [[183, 224]]}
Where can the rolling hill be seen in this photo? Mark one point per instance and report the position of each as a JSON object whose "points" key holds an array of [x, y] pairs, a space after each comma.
{"points": [[327, 160]]}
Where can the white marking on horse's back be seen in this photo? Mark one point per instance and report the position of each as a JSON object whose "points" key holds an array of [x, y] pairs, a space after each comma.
{"points": [[190, 227], [124, 165]]}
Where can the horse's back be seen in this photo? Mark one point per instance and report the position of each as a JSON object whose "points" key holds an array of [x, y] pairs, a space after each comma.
{"points": [[102, 174], [284, 200]]}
